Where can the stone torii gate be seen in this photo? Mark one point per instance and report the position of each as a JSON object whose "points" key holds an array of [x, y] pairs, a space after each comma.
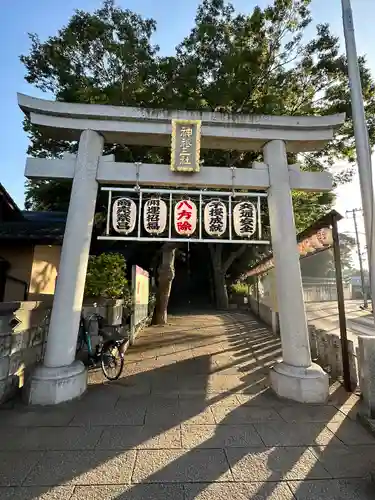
{"points": [[61, 377]]}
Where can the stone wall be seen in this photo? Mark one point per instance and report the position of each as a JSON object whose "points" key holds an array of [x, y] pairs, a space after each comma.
{"points": [[261, 310], [23, 335], [23, 331], [326, 352], [265, 313], [112, 312], [324, 290], [325, 346]]}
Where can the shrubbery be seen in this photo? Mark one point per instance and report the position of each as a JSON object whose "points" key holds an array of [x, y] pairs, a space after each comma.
{"points": [[106, 277], [239, 289]]}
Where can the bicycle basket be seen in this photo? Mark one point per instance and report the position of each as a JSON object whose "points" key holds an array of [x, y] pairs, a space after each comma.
{"points": [[110, 332]]}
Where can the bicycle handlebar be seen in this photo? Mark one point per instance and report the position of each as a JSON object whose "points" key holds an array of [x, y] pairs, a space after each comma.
{"points": [[98, 317]]}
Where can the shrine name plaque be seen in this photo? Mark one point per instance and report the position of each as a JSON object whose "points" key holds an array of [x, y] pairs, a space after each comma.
{"points": [[185, 148]]}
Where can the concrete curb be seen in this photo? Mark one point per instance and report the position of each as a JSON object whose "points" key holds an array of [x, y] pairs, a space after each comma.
{"points": [[368, 423]]}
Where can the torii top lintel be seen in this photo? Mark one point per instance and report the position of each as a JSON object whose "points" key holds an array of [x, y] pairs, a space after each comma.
{"points": [[127, 125]]}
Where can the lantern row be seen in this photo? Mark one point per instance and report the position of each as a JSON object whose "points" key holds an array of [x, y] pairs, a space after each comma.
{"points": [[185, 217], [322, 239]]}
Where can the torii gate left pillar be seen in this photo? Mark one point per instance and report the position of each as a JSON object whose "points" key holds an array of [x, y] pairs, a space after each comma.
{"points": [[61, 378]]}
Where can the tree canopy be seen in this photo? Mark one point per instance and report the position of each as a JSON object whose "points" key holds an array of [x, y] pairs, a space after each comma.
{"points": [[256, 63]]}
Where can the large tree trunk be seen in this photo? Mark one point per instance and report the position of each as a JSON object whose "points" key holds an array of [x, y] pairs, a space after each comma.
{"points": [[221, 294], [220, 270], [165, 277]]}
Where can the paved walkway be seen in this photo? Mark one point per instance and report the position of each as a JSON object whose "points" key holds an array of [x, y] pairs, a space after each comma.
{"points": [[191, 419]]}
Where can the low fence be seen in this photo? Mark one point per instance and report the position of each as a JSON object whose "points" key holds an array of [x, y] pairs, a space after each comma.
{"points": [[112, 310], [326, 351], [23, 330], [23, 336], [141, 294], [265, 313], [323, 289], [325, 346]]}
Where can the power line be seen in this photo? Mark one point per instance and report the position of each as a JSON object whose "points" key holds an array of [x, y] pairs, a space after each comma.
{"points": [[354, 216]]}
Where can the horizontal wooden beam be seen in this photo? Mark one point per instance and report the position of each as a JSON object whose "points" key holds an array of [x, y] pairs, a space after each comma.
{"points": [[110, 172]]}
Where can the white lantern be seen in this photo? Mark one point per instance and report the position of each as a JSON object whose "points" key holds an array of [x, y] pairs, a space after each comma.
{"points": [[185, 217], [306, 247], [124, 215], [325, 236], [155, 216], [215, 218], [302, 248], [310, 245], [315, 243], [244, 219]]}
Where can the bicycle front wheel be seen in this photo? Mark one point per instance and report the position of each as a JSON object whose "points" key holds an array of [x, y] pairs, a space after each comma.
{"points": [[112, 360]]}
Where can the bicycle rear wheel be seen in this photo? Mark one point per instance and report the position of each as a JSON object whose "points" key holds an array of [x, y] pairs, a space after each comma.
{"points": [[112, 360]]}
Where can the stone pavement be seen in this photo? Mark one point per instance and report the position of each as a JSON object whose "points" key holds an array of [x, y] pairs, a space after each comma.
{"points": [[192, 418]]}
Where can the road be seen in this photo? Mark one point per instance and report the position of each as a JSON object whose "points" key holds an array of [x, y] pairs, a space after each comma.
{"points": [[325, 316]]}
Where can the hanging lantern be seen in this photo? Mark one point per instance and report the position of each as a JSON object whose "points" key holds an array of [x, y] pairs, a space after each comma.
{"points": [[305, 247], [155, 216], [315, 243], [309, 246], [324, 235], [215, 218], [124, 214], [244, 219], [302, 248], [185, 217]]}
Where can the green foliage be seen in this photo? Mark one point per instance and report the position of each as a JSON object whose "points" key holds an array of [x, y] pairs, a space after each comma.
{"points": [[128, 301], [106, 277], [258, 63], [47, 195], [239, 289]]}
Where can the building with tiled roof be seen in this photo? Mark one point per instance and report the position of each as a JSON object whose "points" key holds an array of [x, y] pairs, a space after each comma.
{"points": [[30, 247]]}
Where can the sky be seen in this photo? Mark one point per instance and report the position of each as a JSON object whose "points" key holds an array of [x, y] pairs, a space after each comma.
{"points": [[20, 17]]}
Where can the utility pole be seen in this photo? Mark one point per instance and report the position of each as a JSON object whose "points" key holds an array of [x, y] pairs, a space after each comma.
{"points": [[354, 215], [361, 139]]}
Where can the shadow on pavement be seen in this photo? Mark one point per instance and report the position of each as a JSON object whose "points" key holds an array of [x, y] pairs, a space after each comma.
{"points": [[192, 418]]}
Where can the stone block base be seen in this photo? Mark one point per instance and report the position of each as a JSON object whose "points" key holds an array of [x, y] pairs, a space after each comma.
{"points": [[305, 385], [366, 361], [51, 386]]}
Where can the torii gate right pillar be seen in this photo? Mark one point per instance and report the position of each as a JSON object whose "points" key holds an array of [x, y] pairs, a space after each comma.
{"points": [[296, 377]]}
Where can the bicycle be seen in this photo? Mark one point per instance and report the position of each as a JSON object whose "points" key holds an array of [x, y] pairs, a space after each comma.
{"points": [[110, 352]]}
